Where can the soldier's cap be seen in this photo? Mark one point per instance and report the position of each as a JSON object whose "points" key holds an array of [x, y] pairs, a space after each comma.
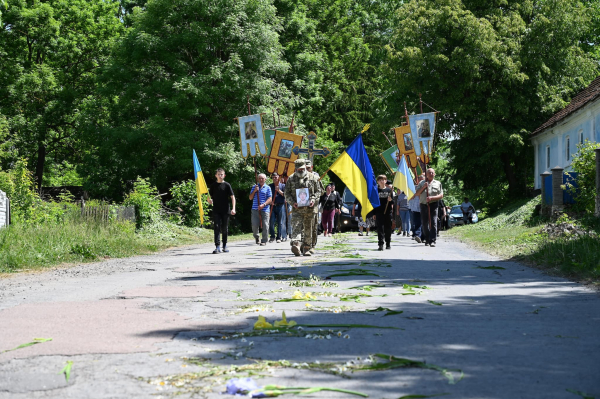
{"points": [[300, 163], [388, 182], [308, 162]]}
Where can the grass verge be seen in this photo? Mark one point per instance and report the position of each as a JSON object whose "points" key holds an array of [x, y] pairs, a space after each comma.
{"points": [[515, 233], [39, 246]]}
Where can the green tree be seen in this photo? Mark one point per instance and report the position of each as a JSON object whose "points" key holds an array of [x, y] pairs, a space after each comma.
{"points": [[49, 54], [176, 81], [496, 70]]}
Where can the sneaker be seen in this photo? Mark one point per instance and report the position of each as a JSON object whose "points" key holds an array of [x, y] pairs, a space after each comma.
{"points": [[418, 239], [225, 249], [262, 244], [426, 244], [380, 248], [404, 234], [272, 239], [398, 233], [388, 246], [432, 244], [284, 240], [278, 241], [412, 238], [258, 241], [217, 250], [367, 233], [360, 234], [312, 251]]}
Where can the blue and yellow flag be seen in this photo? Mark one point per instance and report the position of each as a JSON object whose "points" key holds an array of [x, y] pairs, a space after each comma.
{"points": [[200, 185], [354, 169], [403, 180]]}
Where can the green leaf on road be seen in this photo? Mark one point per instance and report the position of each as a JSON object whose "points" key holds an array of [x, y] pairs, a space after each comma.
{"points": [[34, 342], [277, 390], [435, 303], [397, 362], [582, 394], [67, 370], [390, 312]]}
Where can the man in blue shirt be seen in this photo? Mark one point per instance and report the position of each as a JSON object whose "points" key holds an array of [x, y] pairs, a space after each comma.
{"points": [[261, 197], [278, 211]]}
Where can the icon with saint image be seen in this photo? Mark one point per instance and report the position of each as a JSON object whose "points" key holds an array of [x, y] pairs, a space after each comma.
{"points": [[302, 197], [423, 129], [250, 129], [285, 149], [408, 145]]}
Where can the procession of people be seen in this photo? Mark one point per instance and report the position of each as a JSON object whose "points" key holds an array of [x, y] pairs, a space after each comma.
{"points": [[272, 220]]}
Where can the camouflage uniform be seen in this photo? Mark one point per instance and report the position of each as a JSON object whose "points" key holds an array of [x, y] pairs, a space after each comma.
{"points": [[316, 209], [303, 218]]}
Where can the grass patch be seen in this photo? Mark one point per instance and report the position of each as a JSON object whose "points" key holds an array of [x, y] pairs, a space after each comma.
{"points": [[44, 245], [515, 233]]}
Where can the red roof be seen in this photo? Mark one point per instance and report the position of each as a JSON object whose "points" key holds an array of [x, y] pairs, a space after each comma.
{"points": [[587, 95]]}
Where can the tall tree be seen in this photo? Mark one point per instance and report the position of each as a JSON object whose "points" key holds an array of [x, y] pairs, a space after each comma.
{"points": [[496, 69], [50, 53], [176, 81]]}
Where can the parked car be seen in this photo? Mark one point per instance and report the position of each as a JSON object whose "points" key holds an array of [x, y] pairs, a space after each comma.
{"points": [[456, 216], [347, 221]]}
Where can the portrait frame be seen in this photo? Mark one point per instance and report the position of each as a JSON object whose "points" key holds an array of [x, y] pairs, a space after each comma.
{"points": [[270, 136], [300, 193], [252, 136], [283, 165], [391, 157]]}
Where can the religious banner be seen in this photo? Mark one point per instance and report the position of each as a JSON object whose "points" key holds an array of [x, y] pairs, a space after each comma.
{"points": [[423, 128], [282, 157], [270, 136], [391, 157], [252, 135], [405, 145]]}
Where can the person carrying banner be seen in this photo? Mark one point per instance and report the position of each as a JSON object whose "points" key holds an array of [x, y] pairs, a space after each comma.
{"points": [[303, 218], [220, 194], [261, 197], [430, 192], [277, 217], [384, 212]]}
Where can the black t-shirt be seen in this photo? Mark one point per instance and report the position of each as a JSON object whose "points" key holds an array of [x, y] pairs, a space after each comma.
{"points": [[384, 193], [220, 194]]}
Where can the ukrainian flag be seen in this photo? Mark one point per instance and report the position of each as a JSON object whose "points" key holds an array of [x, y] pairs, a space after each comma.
{"points": [[354, 169], [200, 185], [403, 181]]}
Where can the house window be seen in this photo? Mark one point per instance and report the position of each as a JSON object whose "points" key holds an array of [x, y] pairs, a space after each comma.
{"points": [[581, 137], [568, 148], [547, 157]]}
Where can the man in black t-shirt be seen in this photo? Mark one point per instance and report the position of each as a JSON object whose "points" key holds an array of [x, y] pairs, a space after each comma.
{"points": [[384, 213], [220, 193]]}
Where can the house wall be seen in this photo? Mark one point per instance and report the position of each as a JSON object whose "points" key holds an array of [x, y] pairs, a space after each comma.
{"points": [[586, 121]]}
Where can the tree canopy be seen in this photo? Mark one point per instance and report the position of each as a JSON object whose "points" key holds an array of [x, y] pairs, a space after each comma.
{"points": [[118, 89]]}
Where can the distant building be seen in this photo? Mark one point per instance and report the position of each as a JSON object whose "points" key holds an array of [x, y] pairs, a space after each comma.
{"points": [[555, 142]]}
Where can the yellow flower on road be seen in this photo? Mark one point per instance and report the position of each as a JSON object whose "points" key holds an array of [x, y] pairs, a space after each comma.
{"points": [[262, 323], [284, 322]]}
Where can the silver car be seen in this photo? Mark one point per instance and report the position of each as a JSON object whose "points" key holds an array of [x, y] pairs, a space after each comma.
{"points": [[456, 216]]}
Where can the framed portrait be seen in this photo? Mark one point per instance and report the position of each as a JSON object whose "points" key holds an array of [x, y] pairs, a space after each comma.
{"points": [[282, 157], [404, 141], [252, 135], [423, 129], [302, 197]]}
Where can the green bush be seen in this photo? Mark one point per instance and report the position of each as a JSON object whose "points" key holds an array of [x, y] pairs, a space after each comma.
{"points": [[18, 185], [185, 200], [584, 164], [144, 197]]}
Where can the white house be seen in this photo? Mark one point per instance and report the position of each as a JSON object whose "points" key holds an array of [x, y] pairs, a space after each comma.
{"points": [[555, 142]]}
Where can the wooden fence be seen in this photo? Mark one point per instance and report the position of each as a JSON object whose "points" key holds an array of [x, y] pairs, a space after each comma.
{"points": [[108, 212]]}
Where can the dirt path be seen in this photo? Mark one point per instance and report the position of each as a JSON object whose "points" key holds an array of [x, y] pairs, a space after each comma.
{"points": [[170, 323]]}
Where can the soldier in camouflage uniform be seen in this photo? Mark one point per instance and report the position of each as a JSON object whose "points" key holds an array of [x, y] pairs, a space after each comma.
{"points": [[309, 169], [303, 219]]}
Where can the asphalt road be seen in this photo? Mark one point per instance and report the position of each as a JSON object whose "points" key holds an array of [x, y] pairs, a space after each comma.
{"points": [[172, 323]]}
